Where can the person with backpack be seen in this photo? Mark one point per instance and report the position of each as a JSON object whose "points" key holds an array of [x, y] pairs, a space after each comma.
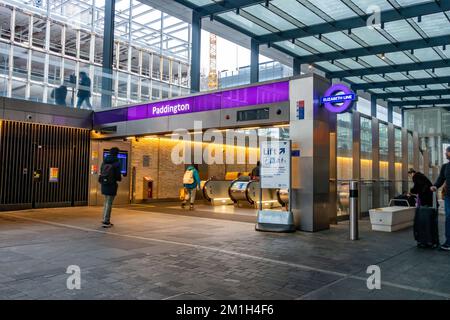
{"points": [[191, 182], [444, 177], [109, 176]]}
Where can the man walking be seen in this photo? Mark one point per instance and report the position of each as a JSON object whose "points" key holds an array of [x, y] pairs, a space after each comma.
{"points": [[84, 91], [444, 176], [109, 176]]}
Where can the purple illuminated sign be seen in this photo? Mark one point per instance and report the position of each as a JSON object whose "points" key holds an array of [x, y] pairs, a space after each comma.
{"points": [[338, 98], [234, 98]]}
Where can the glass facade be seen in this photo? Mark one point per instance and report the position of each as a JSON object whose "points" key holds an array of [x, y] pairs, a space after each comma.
{"points": [[398, 161], [344, 160], [384, 163], [366, 163], [433, 128], [54, 40]]}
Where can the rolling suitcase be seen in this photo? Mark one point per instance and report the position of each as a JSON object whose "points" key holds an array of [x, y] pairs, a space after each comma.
{"points": [[426, 230]]}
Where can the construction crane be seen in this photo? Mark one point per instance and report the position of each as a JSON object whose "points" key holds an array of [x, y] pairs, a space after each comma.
{"points": [[212, 76]]}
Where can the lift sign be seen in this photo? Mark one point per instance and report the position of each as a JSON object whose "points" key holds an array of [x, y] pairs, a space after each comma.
{"points": [[275, 164]]}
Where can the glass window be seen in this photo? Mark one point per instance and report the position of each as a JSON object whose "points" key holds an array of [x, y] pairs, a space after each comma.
{"points": [[397, 119], [36, 92], [85, 45], [364, 106], [20, 66], [4, 58], [56, 31], [344, 146], [398, 160], [37, 66], [384, 151], [54, 70], [18, 89], [39, 31], [382, 113], [366, 148], [21, 32]]}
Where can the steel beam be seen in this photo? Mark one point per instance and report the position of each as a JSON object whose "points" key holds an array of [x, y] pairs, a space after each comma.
{"points": [[254, 61], [108, 53], [400, 83], [390, 69], [374, 50], [196, 46], [419, 102], [221, 6], [358, 21], [422, 93]]}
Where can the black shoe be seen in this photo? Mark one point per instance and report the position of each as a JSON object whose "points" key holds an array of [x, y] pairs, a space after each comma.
{"points": [[107, 225], [445, 247], [183, 205]]}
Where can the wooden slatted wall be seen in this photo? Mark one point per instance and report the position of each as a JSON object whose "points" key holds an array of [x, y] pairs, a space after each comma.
{"points": [[26, 148]]}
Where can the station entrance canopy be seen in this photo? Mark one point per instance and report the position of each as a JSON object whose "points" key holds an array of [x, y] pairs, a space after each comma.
{"points": [[396, 50]]}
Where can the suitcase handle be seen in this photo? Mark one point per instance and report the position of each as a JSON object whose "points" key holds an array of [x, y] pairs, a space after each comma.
{"points": [[399, 200], [435, 206]]}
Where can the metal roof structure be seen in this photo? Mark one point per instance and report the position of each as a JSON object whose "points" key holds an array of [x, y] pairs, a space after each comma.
{"points": [[397, 50], [135, 22]]}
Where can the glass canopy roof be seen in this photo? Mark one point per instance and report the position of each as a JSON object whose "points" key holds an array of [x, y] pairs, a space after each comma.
{"points": [[398, 50]]}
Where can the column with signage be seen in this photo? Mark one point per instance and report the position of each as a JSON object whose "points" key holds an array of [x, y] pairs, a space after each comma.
{"points": [[275, 157], [314, 104]]}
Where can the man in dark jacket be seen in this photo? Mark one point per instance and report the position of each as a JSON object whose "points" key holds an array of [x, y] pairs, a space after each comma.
{"points": [[109, 176], [444, 176], [421, 188], [84, 90]]}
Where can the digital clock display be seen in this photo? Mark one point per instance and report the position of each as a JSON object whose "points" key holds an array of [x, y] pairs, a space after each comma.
{"points": [[251, 115]]}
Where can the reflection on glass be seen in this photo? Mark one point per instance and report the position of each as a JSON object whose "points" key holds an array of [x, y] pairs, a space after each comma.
{"points": [[366, 148], [398, 161], [344, 146]]}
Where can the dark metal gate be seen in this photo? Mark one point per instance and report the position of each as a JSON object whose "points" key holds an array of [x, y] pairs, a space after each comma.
{"points": [[43, 165]]}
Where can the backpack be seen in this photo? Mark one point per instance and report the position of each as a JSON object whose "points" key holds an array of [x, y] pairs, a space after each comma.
{"points": [[107, 174], [188, 177]]}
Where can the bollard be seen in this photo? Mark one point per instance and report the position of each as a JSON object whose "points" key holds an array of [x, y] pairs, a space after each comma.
{"points": [[354, 210]]}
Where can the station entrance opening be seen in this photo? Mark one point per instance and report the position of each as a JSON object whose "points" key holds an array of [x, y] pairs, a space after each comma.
{"points": [[220, 132]]}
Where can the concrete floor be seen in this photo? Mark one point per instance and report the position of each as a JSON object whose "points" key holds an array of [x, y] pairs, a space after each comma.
{"points": [[150, 254]]}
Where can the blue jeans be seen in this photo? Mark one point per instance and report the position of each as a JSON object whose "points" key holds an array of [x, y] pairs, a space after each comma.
{"points": [[107, 207], [447, 219]]}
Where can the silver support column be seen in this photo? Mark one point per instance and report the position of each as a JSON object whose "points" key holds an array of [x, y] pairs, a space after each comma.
{"points": [[310, 134], [356, 149], [354, 210], [332, 122]]}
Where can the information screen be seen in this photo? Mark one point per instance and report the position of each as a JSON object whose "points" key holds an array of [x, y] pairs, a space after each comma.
{"points": [[123, 159], [255, 114]]}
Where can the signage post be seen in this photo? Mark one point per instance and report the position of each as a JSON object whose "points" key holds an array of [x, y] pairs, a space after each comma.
{"points": [[275, 157]]}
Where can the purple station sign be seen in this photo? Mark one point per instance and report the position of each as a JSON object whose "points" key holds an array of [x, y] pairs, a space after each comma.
{"points": [[234, 98]]}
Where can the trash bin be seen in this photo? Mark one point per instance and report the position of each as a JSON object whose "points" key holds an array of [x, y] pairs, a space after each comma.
{"points": [[148, 188]]}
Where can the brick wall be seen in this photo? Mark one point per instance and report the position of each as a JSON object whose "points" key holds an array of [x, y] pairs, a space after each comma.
{"points": [[167, 177]]}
